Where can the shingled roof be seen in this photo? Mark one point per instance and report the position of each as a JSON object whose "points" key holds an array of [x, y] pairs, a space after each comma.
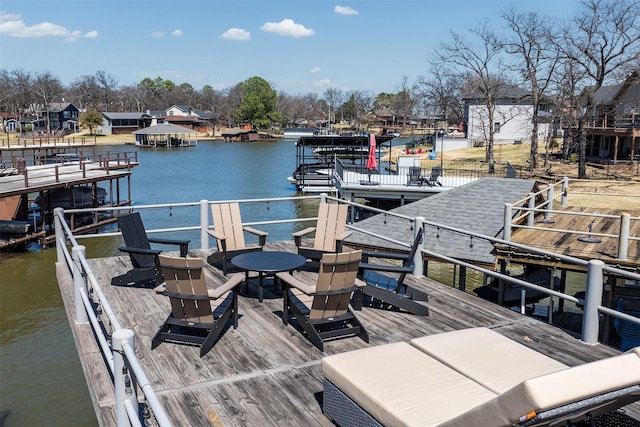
{"points": [[477, 206]]}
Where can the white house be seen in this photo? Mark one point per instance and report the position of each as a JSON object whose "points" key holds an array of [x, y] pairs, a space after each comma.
{"points": [[512, 119]]}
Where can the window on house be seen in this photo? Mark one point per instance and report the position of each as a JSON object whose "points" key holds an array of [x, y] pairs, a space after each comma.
{"points": [[496, 127], [171, 113]]}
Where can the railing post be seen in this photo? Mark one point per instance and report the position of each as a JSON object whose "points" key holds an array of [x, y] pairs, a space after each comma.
{"points": [[204, 224], [418, 263], [549, 208], [623, 238], [59, 233], [592, 300], [506, 233], [123, 383], [323, 197], [78, 282], [565, 186], [532, 206]]}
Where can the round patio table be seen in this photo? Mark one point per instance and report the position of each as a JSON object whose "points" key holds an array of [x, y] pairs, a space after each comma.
{"points": [[267, 263]]}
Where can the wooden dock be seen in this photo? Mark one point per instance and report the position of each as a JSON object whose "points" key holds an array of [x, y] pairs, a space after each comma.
{"points": [[265, 373], [22, 182]]}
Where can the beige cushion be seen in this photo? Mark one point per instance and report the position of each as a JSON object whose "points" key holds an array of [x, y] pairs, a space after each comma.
{"points": [[492, 360], [554, 390], [400, 386]]}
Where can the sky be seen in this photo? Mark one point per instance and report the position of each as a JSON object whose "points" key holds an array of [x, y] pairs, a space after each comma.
{"points": [[298, 46]]}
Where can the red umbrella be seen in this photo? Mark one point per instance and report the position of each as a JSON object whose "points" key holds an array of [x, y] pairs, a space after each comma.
{"points": [[371, 161]]}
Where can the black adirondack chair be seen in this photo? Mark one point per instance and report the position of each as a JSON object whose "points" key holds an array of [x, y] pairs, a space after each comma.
{"points": [[391, 289], [146, 267]]}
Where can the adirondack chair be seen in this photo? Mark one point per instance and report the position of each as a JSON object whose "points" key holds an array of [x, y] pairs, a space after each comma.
{"points": [[436, 172], [146, 267], [392, 290], [229, 234], [322, 310], [414, 177], [198, 315], [330, 231]]}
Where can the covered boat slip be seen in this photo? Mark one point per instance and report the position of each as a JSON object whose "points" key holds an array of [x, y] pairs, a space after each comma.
{"points": [[73, 184], [266, 373]]}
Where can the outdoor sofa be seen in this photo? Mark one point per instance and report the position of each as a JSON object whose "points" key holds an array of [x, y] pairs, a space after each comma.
{"points": [[472, 377]]}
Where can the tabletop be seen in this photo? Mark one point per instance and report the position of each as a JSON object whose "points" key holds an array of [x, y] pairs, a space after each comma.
{"points": [[268, 261]]}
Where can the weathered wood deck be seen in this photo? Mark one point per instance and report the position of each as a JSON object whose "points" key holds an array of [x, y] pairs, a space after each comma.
{"points": [[551, 238], [265, 373]]}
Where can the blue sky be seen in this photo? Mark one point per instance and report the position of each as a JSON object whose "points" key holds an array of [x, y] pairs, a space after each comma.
{"points": [[298, 46]]}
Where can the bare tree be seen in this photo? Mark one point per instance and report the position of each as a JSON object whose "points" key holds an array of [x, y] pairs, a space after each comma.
{"points": [[48, 88], [537, 58], [441, 92], [602, 38], [107, 84], [403, 102], [85, 92], [333, 97], [480, 64]]}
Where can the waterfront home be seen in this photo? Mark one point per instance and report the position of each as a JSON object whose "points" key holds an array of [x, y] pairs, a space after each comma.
{"points": [[512, 116], [613, 127]]}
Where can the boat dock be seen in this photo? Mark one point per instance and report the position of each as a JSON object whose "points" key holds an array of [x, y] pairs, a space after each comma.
{"points": [[29, 175], [266, 373]]}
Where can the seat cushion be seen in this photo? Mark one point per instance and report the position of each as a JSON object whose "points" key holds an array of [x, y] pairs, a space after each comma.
{"points": [[400, 385], [555, 389], [483, 355]]}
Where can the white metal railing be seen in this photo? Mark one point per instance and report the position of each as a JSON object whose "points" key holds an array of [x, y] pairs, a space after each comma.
{"points": [[595, 270], [120, 355], [526, 208]]}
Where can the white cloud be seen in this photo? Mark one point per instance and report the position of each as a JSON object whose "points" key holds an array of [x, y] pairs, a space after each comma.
{"points": [[287, 27], [315, 69], [13, 25], [345, 10], [236, 34], [158, 34], [176, 33], [323, 83]]}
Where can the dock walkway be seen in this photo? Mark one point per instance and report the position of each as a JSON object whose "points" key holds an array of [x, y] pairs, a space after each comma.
{"points": [[265, 373]]}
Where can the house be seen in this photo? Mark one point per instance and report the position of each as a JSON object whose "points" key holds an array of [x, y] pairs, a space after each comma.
{"points": [[512, 118], [123, 123], [240, 134], [190, 118], [9, 122], [613, 128], [54, 117]]}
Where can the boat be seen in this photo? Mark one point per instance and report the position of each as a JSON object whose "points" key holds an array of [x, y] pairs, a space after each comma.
{"points": [[71, 198], [295, 133], [14, 228]]}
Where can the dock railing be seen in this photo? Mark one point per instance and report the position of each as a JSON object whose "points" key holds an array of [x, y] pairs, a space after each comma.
{"points": [[595, 272], [398, 175], [118, 344]]}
